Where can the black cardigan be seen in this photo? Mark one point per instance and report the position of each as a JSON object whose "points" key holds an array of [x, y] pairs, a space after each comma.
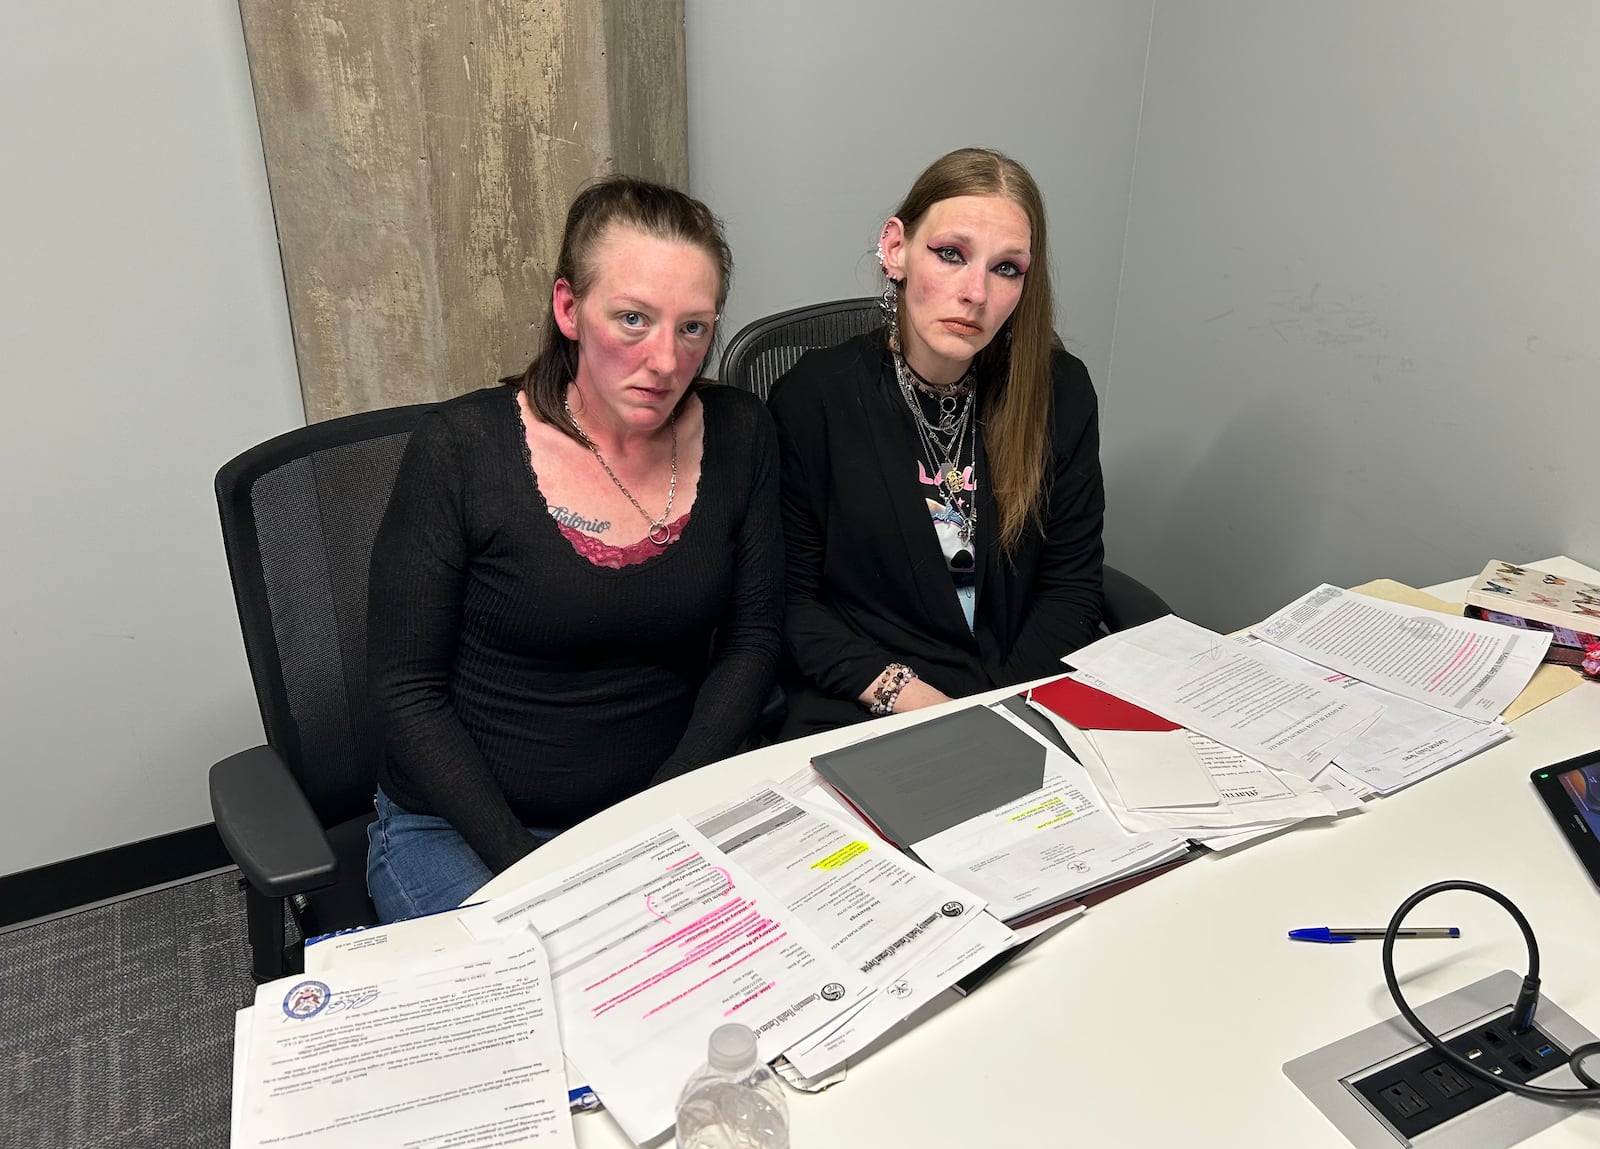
{"points": [[866, 581], [517, 683]]}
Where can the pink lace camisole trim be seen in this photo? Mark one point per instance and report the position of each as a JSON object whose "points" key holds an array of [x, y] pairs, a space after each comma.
{"points": [[603, 554]]}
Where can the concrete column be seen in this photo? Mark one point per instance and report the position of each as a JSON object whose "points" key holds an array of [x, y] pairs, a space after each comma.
{"points": [[421, 155]]}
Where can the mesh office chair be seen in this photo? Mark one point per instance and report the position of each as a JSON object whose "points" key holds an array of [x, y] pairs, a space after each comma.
{"points": [[299, 514], [761, 352]]}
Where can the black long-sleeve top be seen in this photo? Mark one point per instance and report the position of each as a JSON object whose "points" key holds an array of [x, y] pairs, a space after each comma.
{"points": [[516, 683], [866, 582]]}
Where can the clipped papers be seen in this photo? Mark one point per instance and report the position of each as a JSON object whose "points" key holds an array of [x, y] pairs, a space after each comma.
{"points": [[1044, 847], [653, 944], [911, 933]]}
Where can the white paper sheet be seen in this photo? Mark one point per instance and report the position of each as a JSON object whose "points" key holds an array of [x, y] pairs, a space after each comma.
{"points": [[1409, 742], [1200, 680], [1283, 797], [460, 1051], [935, 971], [1155, 770], [871, 905], [409, 940], [1460, 665], [653, 944], [1239, 778]]}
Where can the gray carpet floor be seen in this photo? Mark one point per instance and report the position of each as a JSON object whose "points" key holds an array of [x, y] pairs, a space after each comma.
{"points": [[117, 1022]]}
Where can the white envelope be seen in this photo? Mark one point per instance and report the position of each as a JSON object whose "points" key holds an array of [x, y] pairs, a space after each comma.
{"points": [[1155, 770]]}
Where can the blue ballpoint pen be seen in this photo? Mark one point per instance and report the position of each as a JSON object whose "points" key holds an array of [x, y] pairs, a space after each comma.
{"points": [[1335, 934]]}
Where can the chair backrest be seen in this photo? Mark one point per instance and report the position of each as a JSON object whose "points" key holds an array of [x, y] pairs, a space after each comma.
{"points": [[762, 351], [299, 514]]}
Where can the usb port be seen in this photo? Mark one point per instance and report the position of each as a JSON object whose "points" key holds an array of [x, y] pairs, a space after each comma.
{"points": [[1474, 1054], [1497, 1071], [1545, 1050]]}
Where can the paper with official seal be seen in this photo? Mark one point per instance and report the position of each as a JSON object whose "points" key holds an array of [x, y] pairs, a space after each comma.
{"points": [[460, 1050], [653, 944], [1046, 846], [870, 904]]}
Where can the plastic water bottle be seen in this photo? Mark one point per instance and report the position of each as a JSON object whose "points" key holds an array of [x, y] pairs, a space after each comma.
{"points": [[733, 1101]]}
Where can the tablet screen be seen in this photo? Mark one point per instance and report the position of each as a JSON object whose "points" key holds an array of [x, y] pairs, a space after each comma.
{"points": [[1572, 791]]}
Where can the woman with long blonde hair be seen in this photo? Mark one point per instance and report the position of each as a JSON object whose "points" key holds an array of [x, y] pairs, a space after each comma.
{"points": [[942, 495]]}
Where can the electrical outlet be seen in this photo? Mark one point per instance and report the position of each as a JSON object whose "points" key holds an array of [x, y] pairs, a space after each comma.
{"points": [[1401, 1099], [1425, 1091], [1446, 1080]]}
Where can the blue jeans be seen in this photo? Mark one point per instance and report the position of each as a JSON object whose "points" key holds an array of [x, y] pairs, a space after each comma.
{"points": [[420, 864]]}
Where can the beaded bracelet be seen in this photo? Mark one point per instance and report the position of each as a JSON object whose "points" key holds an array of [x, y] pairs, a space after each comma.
{"points": [[890, 683]]}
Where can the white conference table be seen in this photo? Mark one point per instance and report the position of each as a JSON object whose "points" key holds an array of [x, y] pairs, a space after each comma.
{"points": [[1164, 1016]]}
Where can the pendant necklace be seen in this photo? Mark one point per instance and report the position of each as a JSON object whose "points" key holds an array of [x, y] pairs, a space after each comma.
{"points": [[659, 533], [945, 439]]}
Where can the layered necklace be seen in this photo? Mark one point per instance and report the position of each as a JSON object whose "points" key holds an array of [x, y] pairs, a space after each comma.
{"points": [[944, 435], [660, 533]]}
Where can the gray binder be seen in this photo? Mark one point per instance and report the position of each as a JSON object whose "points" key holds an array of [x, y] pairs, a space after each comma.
{"points": [[915, 782]]}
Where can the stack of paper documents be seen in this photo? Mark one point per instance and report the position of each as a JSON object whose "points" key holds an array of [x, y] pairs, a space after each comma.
{"points": [[1357, 695], [655, 943], [453, 1049], [984, 799], [909, 932], [1408, 742], [1154, 775]]}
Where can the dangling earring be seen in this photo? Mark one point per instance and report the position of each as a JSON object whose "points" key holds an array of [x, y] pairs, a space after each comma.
{"points": [[890, 302]]}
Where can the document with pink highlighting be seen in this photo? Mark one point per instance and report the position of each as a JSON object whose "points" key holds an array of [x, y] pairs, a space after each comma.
{"points": [[655, 943], [1460, 665]]}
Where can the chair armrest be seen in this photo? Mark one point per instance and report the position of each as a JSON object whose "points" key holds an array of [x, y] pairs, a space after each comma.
{"points": [[267, 825], [1127, 602]]}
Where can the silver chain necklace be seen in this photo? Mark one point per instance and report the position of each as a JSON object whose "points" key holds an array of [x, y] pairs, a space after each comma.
{"points": [[659, 533], [945, 457]]}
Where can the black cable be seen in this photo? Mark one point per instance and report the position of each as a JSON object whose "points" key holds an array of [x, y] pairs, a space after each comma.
{"points": [[1521, 1013]]}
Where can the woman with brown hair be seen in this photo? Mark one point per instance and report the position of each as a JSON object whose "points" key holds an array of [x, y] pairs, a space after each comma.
{"points": [[942, 496], [574, 590]]}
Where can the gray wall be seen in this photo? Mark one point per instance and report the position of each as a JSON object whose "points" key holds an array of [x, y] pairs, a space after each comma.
{"points": [[808, 122], [1358, 334], [144, 337]]}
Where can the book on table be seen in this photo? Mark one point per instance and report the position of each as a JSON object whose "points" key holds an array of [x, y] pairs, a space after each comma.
{"points": [[1532, 599]]}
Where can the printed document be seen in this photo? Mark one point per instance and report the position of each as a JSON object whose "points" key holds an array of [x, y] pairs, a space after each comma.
{"points": [[934, 972], [1202, 681], [655, 943], [459, 1051], [1045, 846], [1409, 742], [911, 933], [866, 901], [1254, 797], [1459, 665]]}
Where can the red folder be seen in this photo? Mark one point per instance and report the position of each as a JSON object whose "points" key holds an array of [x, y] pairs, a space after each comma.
{"points": [[1091, 709]]}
